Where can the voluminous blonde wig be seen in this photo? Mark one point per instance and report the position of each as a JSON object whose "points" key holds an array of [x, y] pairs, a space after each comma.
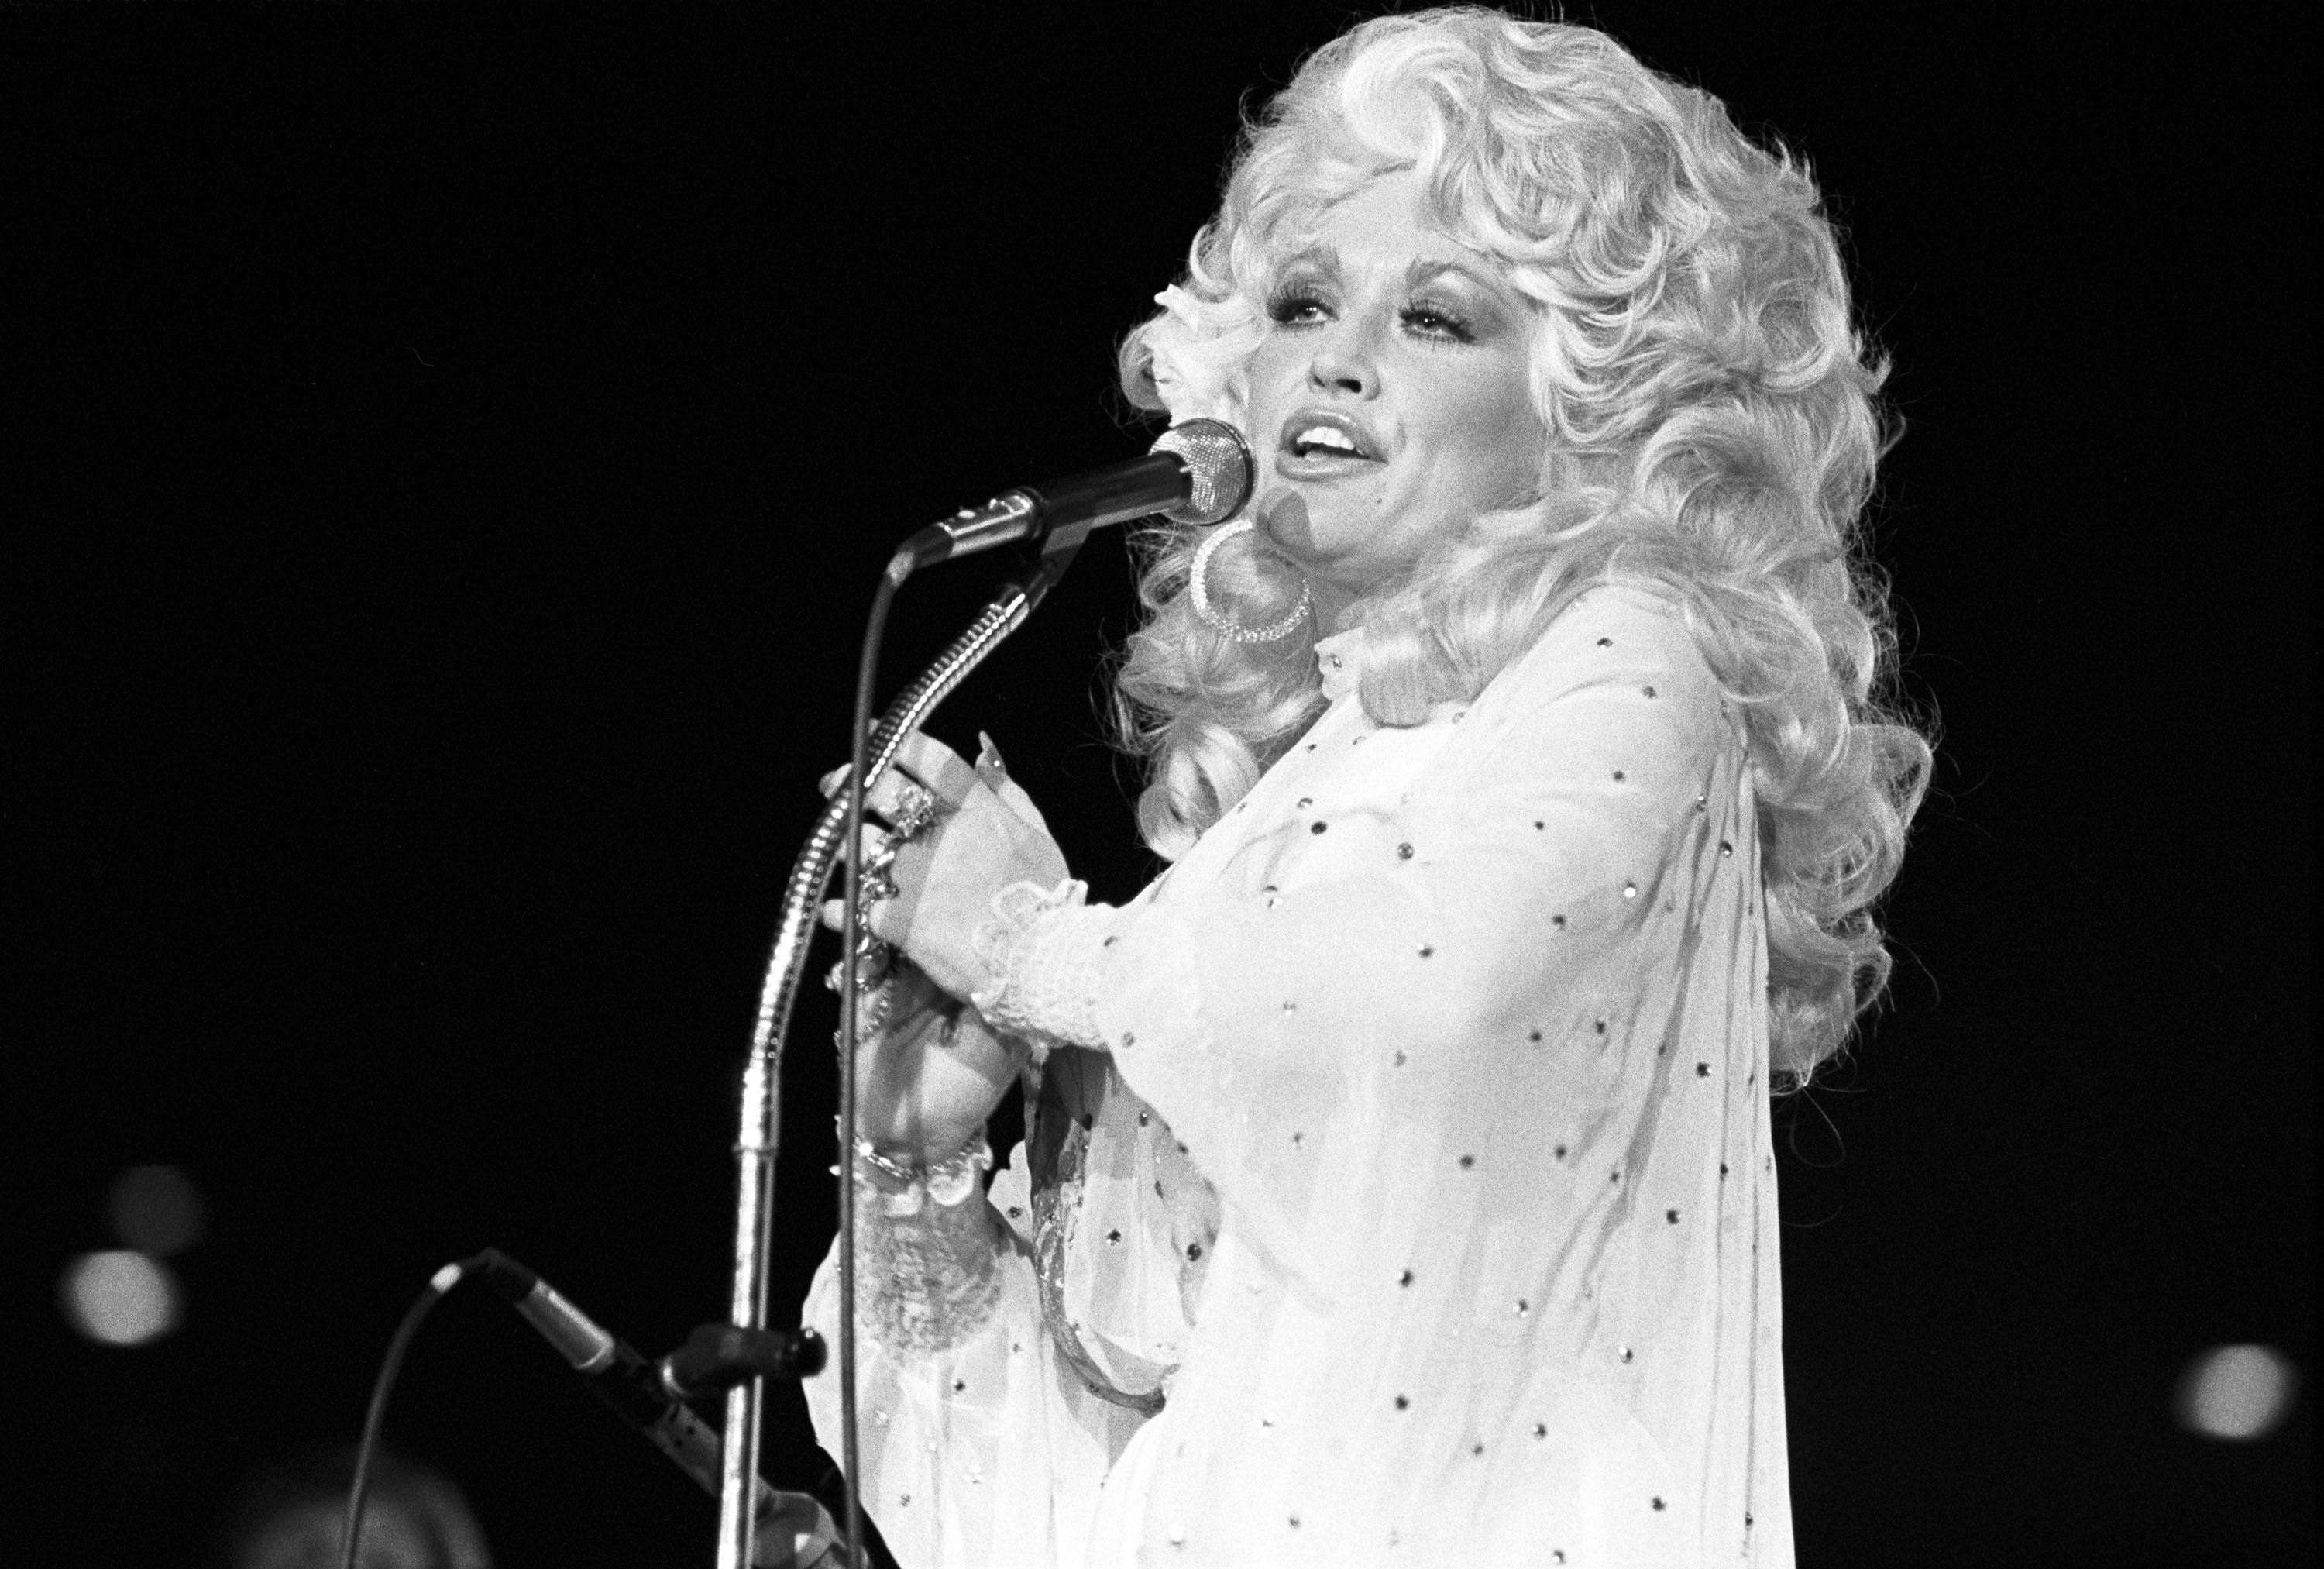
{"points": [[1712, 427]]}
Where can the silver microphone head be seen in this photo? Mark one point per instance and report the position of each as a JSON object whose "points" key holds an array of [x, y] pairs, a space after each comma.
{"points": [[1220, 461]]}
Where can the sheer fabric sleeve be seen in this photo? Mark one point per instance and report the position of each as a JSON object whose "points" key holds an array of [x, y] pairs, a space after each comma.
{"points": [[980, 1448], [1501, 899]]}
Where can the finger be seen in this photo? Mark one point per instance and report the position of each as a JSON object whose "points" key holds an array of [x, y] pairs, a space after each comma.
{"points": [[829, 783], [993, 774], [885, 798], [937, 766], [875, 840], [834, 915]]}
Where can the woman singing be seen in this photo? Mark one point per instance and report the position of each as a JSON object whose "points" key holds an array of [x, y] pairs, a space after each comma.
{"points": [[1399, 1184]]}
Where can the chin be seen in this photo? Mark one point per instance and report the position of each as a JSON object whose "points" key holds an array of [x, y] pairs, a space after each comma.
{"points": [[1312, 528]]}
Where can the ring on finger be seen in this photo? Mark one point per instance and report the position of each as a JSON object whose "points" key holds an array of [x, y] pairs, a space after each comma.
{"points": [[874, 960], [916, 810]]}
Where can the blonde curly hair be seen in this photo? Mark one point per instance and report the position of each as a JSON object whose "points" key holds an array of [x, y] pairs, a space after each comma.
{"points": [[1712, 427]]}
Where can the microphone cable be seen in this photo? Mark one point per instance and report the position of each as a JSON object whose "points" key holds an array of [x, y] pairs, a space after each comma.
{"points": [[867, 672], [651, 1399], [358, 1490], [1219, 474]]}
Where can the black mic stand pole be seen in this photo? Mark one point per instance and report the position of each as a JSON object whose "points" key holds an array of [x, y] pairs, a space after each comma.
{"points": [[760, 1140]]}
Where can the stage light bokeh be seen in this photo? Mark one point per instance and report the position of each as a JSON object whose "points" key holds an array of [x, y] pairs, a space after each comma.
{"points": [[157, 1210], [2238, 1392], [120, 1297]]}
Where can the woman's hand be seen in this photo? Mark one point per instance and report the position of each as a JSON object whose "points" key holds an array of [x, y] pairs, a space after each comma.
{"points": [[985, 835], [926, 1085]]}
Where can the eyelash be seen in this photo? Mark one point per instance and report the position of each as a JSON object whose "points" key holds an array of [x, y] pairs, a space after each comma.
{"points": [[1453, 327]]}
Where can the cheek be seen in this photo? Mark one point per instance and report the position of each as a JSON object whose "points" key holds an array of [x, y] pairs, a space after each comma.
{"points": [[1265, 378], [1493, 444]]}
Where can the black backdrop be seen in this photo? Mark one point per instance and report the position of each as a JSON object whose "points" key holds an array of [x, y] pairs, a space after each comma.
{"points": [[451, 450]]}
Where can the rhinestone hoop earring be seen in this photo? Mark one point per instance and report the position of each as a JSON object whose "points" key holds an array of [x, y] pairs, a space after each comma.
{"points": [[1211, 616]]}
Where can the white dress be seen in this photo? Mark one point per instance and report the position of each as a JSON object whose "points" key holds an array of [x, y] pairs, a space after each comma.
{"points": [[1417, 1205]]}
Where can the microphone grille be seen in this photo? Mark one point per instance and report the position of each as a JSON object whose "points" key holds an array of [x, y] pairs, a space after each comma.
{"points": [[1219, 463]]}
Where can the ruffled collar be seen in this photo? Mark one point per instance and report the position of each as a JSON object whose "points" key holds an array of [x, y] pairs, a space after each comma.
{"points": [[1339, 658]]}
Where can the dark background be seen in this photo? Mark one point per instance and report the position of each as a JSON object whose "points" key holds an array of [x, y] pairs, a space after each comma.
{"points": [[450, 453]]}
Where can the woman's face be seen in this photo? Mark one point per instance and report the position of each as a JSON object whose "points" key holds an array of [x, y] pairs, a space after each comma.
{"points": [[1389, 402]]}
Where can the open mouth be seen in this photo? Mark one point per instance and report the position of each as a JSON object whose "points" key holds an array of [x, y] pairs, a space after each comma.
{"points": [[1323, 437], [1324, 441]]}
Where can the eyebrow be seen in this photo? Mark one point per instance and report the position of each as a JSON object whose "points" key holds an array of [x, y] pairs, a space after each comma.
{"points": [[1316, 254], [1421, 271], [1327, 258]]}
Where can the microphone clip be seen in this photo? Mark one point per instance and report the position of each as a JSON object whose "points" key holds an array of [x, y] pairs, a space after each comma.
{"points": [[716, 1357]]}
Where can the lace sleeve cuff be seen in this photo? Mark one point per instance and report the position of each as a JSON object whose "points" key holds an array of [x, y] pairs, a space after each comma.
{"points": [[1043, 949], [929, 1250]]}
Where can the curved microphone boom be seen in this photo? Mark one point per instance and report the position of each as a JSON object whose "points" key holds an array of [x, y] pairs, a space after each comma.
{"points": [[1198, 472]]}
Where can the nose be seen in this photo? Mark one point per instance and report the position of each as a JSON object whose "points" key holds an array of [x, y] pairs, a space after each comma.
{"points": [[1344, 364]]}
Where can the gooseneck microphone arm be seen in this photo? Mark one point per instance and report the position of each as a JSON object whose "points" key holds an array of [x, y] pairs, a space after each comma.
{"points": [[1201, 473]]}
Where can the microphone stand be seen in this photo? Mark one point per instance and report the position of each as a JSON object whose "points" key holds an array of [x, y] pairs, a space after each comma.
{"points": [[760, 1138]]}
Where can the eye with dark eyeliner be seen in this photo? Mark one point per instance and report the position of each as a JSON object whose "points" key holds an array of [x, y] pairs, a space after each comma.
{"points": [[1302, 305], [1429, 319], [1291, 303]]}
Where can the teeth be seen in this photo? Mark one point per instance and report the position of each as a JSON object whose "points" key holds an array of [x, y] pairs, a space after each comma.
{"points": [[1324, 435]]}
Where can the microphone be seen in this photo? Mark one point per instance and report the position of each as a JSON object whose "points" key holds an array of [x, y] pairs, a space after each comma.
{"points": [[1199, 472], [792, 1527]]}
